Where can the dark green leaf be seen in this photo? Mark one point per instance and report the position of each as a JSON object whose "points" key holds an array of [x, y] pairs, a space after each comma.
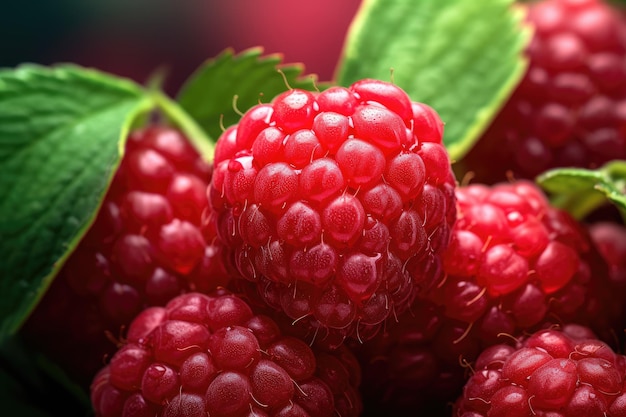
{"points": [[241, 80], [62, 133], [461, 57]]}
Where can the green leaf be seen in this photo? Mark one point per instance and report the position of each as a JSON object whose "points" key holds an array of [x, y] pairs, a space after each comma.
{"points": [[242, 80], [62, 135], [463, 58], [580, 191]]}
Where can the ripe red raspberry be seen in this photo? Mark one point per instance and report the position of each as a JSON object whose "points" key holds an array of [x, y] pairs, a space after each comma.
{"points": [[551, 373], [212, 355], [145, 247], [515, 264], [570, 107], [336, 205]]}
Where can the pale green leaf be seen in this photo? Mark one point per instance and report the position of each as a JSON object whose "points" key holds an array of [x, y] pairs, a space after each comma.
{"points": [[463, 58]]}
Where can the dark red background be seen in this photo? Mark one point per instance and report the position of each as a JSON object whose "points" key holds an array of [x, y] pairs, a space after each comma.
{"points": [[132, 38]]}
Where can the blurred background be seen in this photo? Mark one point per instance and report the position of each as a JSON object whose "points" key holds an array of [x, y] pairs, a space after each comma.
{"points": [[133, 38]]}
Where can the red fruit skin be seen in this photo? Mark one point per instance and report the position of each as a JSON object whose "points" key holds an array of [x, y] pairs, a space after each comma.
{"points": [[210, 354], [419, 361], [550, 372], [569, 109], [336, 206], [147, 244]]}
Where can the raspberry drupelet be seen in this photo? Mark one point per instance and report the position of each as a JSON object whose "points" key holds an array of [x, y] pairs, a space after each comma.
{"points": [[336, 206]]}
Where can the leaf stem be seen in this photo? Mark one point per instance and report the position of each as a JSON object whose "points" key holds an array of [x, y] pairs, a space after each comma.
{"points": [[198, 137]]}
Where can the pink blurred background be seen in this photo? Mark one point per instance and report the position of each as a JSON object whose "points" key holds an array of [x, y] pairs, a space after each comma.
{"points": [[132, 38]]}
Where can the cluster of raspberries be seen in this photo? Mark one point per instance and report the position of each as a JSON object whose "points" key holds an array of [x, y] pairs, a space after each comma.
{"points": [[327, 262]]}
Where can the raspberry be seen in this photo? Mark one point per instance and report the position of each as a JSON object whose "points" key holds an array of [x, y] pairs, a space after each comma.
{"points": [[570, 107], [515, 262], [550, 373], [145, 247], [336, 205], [212, 355], [514, 265]]}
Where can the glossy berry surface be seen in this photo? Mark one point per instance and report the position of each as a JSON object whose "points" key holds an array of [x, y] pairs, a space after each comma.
{"points": [[515, 264], [570, 107], [336, 205], [146, 246], [212, 355], [551, 373]]}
